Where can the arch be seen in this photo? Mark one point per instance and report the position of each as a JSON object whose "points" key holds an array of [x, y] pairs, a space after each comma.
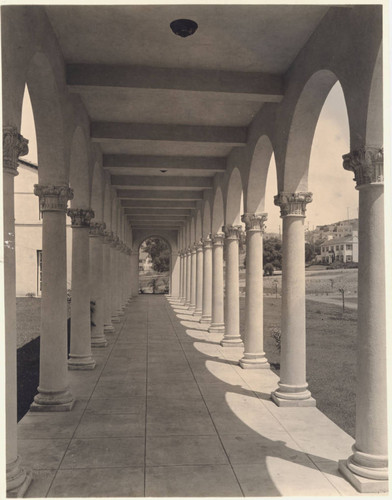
{"points": [[192, 230], [198, 233], [107, 207], [254, 200], [217, 212], [302, 128], [155, 235], [49, 121], [97, 192], [78, 171], [206, 219], [234, 198], [374, 122]]}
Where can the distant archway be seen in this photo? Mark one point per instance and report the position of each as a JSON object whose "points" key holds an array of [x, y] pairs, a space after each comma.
{"points": [[154, 265]]}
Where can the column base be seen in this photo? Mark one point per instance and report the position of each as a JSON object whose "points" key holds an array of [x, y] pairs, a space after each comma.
{"points": [[205, 319], [232, 341], [52, 401], [108, 328], [192, 309], [116, 319], [198, 312], [217, 328], [293, 399], [80, 362], [18, 479], [360, 483], [254, 361], [99, 342], [119, 312]]}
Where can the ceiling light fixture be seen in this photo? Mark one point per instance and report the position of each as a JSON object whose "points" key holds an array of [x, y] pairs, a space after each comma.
{"points": [[183, 27]]}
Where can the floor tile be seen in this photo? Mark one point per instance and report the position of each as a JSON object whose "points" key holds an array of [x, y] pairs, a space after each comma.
{"points": [[108, 425], [39, 487], [184, 450], [42, 453], [107, 482], [104, 452], [192, 481], [117, 405]]}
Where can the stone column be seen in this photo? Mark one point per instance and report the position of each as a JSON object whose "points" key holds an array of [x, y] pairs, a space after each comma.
{"points": [[135, 273], [367, 468], [98, 338], [207, 280], [120, 277], [107, 293], [14, 145], [188, 277], [181, 274], [217, 314], [254, 355], [293, 388], [113, 279], [80, 357], [232, 337], [184, 273], [199, 279], [129, 275], [53, 393], [192, 305]]}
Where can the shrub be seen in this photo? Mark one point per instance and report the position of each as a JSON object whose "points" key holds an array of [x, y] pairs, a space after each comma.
{"points": [[268, 270], [276, 334], [30, 294]]}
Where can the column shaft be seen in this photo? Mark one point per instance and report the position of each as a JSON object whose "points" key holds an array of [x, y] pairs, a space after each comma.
{"points": [[199, 279], [367, 468], [53, 393], [188, 278], [232, 337], [184, 279], [80, 357], [107, 319], [293, 388], [207, 281], [192, 305], [98, 338], [254, 355], [18, 479], [217, 315]]}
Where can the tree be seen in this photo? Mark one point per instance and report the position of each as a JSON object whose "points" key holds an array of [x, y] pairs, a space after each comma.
{"points": [[272, 252], [268, 270], [309, 252], [159, 253]]}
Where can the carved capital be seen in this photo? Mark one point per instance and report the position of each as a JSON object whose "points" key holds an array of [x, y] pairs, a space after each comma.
{"points": [[367, 164], [217, 239], [115, 241], [107, 237], [254, 222], [207, 242], [199, 246], [193, 248], [232, 232], [292, 203], [14, 145], [97, 229], [53, 198], [188, 251], [80, 217]]}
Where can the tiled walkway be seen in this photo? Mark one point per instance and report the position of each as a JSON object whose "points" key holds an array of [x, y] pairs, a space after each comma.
{"points": [[167, 412]]}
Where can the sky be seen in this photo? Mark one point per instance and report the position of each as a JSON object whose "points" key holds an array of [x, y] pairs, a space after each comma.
{"points": [[333, 188], [334, 195]]}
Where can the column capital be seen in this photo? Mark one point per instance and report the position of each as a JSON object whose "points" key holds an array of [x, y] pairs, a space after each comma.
{"points": [[207, 241], [53, 198], [80, 217], [97, 229], [14, 145], [114, 241], [217, 239], [107, 237], [232, 232], [199, 246], [188, 251], [193, 247], [254, 222], [367, 163], [293, 203]]}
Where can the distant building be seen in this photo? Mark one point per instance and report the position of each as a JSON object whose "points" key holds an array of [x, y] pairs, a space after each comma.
{"points": [[344, 249], [28, 234], [332, 231]]}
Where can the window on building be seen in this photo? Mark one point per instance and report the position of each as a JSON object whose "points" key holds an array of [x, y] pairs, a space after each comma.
{"points": [[348, 258], [349, 247], [39, 272], [341, 247], [337, 247]]}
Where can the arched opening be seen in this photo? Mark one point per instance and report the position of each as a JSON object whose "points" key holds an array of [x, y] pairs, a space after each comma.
{"points": [[97, 193], [154, 265], [217, 212], [206, 219]]}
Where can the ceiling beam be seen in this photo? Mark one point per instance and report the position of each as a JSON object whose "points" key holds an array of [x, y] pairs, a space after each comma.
{"points": [[158, 211], [109, 131], [210, 163], [157, 217], [259, 87], [172, 204], [144, 194], [159, 182]]}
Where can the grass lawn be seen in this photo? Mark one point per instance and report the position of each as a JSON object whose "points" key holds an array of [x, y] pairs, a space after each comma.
{"points": [[28, 319], [331, 349]]}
